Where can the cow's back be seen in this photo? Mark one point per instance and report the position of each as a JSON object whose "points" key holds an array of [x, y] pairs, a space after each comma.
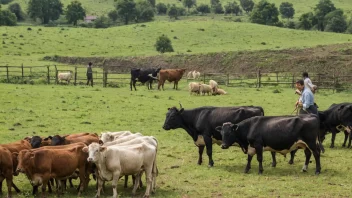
{"points": [[17, 146]]}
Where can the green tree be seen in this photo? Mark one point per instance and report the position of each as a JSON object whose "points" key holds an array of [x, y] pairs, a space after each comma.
{"points": [[102, 22], [265, 13], [322, 9], [113, 15], [349, 26], [45, 10], [75, 12], [17, 10], [163, 44], [203, 8], [152, 2], [217, 8], [214, 2], [126, 10], [144, 11], [7, 18], [247, 5], [189, 3], [161, 8], [306, 21], [335, 21], [5, 1], [172, 12], [287, 10], [232, 8]]}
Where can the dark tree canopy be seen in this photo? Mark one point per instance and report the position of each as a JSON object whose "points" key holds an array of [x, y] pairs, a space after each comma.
{"points": [[265, 13], [126, 10], [203, 8], [45, 10], [17, 10], [306, 21], [144, 11], [287, 10], [161, 8], [247, 5], [113, 15], [163, 44], [172, 12], [7, 18], [189, 3], [322, 9], [75, 12], [232, 8]]}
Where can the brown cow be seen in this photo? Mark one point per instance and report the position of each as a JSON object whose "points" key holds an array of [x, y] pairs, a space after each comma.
{"points": [[6, 170], [171, 75], [41, 164]]}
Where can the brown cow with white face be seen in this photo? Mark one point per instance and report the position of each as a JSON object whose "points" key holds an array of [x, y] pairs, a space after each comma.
{"points": [[171, 75]]}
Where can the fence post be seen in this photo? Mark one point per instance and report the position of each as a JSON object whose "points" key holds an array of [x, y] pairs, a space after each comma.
{"points": [[56, 73], [48, 76], [103, 77], [7, 74], [22, 71], [30, 73], [106, 78], [277, 77], [228, 80], [259, 79], [75, 80]]}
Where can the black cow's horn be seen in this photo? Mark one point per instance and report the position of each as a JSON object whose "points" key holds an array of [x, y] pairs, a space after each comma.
{"points": [[180, 105]]}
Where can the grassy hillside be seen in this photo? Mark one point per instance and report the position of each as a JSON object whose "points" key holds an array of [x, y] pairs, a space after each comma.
{"points": [[29, 46], [99, 7], [47, 110]]}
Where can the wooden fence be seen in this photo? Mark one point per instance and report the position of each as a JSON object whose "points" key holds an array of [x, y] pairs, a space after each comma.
{"points": [[108, 78]]}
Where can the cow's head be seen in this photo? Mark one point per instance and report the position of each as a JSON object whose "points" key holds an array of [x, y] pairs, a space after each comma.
{"points": [[24, 157], [182, 71], [345, 116], [173, 118], [36, 141], [93, 151], [155, 73], [106, 137], [57, 140], [230, 134]]}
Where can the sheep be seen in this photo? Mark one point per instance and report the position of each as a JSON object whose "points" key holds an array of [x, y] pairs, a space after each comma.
{"points": [[220, 92], [213, 84], [190, 75], [194, 87], [195, 74], [66, 76], [204, 88]]}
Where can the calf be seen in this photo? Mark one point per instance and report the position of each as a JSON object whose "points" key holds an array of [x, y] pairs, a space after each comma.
{"points": [[64, 76], [280, 134], [6, 169], [115, 161], [143, 76], [202, 121], [171, 75]]}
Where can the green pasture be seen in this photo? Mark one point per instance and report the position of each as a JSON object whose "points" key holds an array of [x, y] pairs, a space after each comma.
{"points": [[28, 110], [29, 47]]}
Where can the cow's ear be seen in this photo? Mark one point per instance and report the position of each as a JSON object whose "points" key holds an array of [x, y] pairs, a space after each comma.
{"points": [[181, 110], [168, 109], [28, 139], [101, 142], [235, 127], [218, 128], [85, 149], [102, 148]]}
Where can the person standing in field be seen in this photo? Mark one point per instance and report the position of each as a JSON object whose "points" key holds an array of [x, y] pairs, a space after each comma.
{"points": [[90, 74], [306, 101], [307, 83]]}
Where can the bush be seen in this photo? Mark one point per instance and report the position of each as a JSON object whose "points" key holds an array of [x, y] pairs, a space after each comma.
{"points": [[113, 15], [7, 18], [232, 8], [144, 11], [163, 44], [17, 10], [102, 22], [290, 25], [217, 8], [161, 8], [181, 11], [51, 24], [336, 24], [203, 8]]}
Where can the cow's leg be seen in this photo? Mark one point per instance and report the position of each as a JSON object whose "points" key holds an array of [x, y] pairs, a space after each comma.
{"points": [[200, 152], [49, 188], [9, 177], [349, 140], [176, 82], [135, 183], [100, 186], [292, 153], [82, 178], [345, 140], [316, 155], [273, 156], [308, 155], [126, 180], [149, 180], [35, 190], [209, 146], [333, 135], [1, 179], [15, 187], [45, 183], [71, 184], [259, 151], [248, 167], [115, 179]]}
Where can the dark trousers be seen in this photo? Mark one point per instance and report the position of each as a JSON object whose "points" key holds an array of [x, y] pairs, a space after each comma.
{"points": [[90, 80], [311, 110]]}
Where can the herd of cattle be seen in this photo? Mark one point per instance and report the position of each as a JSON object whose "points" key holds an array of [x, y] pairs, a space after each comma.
{"points": [[108, 157]]}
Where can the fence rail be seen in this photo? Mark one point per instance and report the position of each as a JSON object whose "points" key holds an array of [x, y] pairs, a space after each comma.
{"points": [[107, 78]]}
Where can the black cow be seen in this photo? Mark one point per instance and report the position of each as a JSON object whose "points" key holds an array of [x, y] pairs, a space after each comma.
{"points": [[338, 117], [280, 134], [143, 76], [201, 123], [37, 141]]}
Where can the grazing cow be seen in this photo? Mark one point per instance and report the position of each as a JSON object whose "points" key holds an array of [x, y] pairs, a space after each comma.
{"points": [[41, 164], [6, 169], [115, 161], [280, 134], [338, 117], [195, 74], [143, 76], [69, 139], [204, 88], [194, 87], [202, 122], [214, 85], [64, 76], [171, 75], [111, 136], [220, 92]]}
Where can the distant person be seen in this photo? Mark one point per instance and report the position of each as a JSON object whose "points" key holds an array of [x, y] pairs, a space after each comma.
{"points": [[90, 74], [307, 84], [306, 101]]}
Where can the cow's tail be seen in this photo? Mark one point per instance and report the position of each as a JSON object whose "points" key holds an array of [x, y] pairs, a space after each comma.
{"points": [[320, 144], [155, 171]]}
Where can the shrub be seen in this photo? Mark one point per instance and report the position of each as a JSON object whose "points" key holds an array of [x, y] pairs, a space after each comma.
{"points": [[217, 8], [101, 22], [161, 8], [163, 44], [203, 8]]}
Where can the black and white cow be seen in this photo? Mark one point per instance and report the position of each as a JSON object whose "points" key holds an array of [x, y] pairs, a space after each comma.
{"points": [[200, 123], [338, 117], [143, 76], [280, 134]]}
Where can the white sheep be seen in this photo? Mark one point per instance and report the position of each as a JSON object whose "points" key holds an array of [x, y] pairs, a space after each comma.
{"points": [[220, 92], [194, 87], [213, 84], [66, 76], [204, 88], [195, 74], [190, 75]]}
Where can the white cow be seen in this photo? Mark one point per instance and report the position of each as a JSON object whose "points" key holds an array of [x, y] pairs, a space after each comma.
{"points": [[66, 76], [110, 136], [115, 161]]}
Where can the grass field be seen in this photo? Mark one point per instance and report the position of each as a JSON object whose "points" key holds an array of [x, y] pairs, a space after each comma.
{"points": [[30, 46], [49, 109]]}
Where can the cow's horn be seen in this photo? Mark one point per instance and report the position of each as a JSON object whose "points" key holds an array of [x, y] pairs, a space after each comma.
{"points": [[180, 105]]}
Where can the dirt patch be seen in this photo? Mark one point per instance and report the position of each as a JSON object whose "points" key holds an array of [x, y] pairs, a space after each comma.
{"points": [[321, 59]]}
